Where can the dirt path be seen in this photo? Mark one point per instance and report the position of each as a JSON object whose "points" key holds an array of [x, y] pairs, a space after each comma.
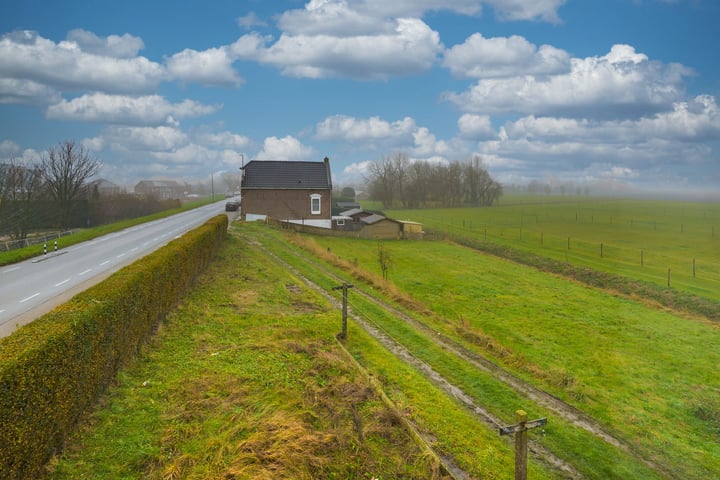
{"points": [[562, 409]]}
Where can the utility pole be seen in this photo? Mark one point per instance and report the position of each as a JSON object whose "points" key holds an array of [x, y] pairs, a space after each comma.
{"points": [[521, 440], [343, 335]]}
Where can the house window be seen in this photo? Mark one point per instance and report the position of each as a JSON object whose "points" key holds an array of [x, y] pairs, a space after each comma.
{"points": [[315, 203], [341, 222]]}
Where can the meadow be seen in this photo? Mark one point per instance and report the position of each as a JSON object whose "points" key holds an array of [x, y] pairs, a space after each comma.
{"points": [[630, 389], [660, 242]]}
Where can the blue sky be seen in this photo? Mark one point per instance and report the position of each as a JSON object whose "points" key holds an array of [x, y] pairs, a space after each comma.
{"points": [[600, 93]]}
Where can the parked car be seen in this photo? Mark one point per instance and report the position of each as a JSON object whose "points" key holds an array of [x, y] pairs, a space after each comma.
{"points": [[232, 206]]}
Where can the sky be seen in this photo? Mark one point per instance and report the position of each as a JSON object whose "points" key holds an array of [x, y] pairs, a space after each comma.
{"points": [[609, 94]]}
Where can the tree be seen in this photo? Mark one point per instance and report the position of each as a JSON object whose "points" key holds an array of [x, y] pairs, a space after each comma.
{"points": [[384, 259], [65, 169], [20, 188]]}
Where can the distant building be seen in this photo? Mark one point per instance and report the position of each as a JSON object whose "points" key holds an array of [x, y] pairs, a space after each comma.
{"points": [[296, 192], [160, 189], [103, 188]]}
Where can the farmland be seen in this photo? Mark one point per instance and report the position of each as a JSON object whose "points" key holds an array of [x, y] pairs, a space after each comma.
{"points": [[659, 242], [455, 338]]}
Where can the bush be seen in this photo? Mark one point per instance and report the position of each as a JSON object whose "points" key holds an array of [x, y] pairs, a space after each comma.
{"points": [[54, 368]]}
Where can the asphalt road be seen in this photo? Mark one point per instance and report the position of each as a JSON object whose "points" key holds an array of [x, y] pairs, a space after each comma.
{"points": [[33, 287]]}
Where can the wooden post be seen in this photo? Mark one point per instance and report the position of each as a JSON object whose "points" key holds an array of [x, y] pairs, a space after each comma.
{"points": [[343, 334], [521, 440]]}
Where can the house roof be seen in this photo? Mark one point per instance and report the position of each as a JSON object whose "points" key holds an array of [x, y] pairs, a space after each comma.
{"points": [[277, 174], [375, 218], [352, 211]]}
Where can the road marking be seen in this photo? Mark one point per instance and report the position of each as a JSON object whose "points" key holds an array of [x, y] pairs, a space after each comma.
{"points": [[29, 298], [105, 262], [121, 255], [11, 269], [64, 281], [134, 249], [84, 272]]}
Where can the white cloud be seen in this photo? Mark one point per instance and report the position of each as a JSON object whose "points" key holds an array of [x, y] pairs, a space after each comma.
{"points": [[208, 67], [357, 169], [122, 109], [224, 140], [545, 10], [619, 84], [475, 127], [412, 47], [250, 20], [696, 120], [144, 138], [286, 148], [342, 127], [125, 46], [480, 57], [26, 92], [27, 56]]}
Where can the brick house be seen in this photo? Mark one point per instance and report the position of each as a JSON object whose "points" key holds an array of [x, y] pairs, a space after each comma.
{"points": [[296, 192]]}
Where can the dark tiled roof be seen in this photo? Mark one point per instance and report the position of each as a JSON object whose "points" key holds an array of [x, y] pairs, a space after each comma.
{"points": [[272, 174]]}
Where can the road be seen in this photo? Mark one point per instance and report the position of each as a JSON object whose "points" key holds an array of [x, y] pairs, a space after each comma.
{"points": [[33, 287]]}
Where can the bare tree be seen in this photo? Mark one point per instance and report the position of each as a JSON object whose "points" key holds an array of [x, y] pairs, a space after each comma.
{"points": [[65, 169], [384, 259], [20, 187]]}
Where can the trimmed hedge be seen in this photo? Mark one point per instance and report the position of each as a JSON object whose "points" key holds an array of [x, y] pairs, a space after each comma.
{"points": [[54, 368]]}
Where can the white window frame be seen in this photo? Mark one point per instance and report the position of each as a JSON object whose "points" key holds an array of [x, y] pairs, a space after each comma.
{"points": [[313, 210]]}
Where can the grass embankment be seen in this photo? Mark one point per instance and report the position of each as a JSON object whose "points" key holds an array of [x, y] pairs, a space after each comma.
{"points": [[245, 380], [647, 240], [648, 375], [83, 235]]}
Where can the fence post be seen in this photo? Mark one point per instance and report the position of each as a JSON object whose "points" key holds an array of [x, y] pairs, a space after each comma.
{"points": [[44, 248], [521, 440], [343, 334]]}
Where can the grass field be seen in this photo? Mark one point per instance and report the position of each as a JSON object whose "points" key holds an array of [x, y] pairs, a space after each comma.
{"points": [[649, 240], [246, 379], [646, 374]]}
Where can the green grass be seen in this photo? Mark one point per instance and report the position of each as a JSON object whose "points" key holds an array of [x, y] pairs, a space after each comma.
{"points": [[244, 380], [640, 239], [83, 235], [646, 374]]}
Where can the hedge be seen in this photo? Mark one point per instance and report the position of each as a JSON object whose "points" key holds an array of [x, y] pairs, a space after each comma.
{"points": [[54, 368]]}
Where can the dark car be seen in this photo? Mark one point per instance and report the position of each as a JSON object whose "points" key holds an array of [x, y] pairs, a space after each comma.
{"points": [[232, 206]]}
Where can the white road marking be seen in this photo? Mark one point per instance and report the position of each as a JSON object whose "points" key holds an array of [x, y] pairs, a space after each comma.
{"points": [[121, 255], [105, 262], [84, 272], [64, 281], [29, 298], [12, 269]]}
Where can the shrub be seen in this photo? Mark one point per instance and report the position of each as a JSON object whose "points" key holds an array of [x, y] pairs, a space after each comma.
{"points": [[54, 368]]}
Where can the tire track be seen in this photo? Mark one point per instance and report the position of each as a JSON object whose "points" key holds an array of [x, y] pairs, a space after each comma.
{"points": [[560, 408]]}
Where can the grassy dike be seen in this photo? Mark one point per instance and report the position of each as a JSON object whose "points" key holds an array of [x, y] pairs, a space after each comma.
{"points": [[244, 380]]}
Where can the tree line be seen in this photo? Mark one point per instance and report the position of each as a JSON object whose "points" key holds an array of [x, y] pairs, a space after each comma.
{"points": [[53, 194], [398, 182]]}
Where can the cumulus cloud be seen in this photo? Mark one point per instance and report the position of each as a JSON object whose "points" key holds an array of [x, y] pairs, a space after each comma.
{"points": [[14, 90], [118, 46], [145, 139], [343, 127], [475, 127], [480, 57], [545, 10], [224, 140], [27, 56], [621, 83], [411, 47], [286, 148], [208, 67], [123, 109]]}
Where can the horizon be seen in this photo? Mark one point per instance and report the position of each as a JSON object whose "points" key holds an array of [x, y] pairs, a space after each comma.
{"points": [[617, 95]]}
